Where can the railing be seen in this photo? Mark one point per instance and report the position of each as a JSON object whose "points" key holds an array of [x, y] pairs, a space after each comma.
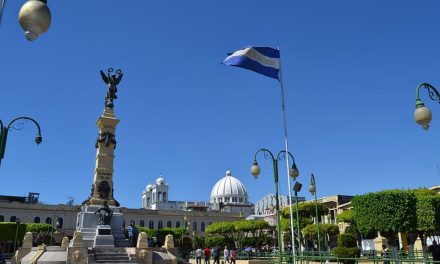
{"points": [[314, 257]]}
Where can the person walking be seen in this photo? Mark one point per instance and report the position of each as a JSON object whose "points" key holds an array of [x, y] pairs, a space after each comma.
{"points": [[226, 254], [198, 253], [434, 249], [207, 253], [216, 255], [233, 254], [385, 255], [132, 234]]}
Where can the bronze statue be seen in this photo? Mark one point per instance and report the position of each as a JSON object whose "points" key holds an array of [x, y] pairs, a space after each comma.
{"points": [[112, 80], [105, 214]]}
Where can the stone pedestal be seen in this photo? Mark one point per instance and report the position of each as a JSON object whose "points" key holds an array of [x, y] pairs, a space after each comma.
{"points": [[87, 224], [103, 237], [378, 242]]}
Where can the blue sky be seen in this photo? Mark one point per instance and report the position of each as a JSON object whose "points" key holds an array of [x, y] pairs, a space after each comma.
{"points": [[350, 72]]}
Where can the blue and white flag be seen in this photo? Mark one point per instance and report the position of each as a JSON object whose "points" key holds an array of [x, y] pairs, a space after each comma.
{"points": [[264, 60]]}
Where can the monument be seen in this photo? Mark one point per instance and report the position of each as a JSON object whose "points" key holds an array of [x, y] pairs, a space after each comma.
{"points": [[100, 220]]}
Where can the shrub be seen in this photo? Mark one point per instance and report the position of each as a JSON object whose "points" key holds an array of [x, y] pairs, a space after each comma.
{"points": [[344, 252], [347, 240]]}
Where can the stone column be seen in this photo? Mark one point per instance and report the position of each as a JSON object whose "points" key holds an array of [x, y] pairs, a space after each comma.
{"points": [[102, 189], [25, 249]]}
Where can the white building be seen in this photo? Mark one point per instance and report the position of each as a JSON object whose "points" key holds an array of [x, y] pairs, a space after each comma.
{"points": [[228, 195]]}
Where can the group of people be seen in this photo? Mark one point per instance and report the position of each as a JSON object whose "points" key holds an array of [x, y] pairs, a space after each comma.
{"points": [[229, 256]]}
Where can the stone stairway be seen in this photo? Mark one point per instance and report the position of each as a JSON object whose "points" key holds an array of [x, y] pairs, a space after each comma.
{"points": [[111, 255]]}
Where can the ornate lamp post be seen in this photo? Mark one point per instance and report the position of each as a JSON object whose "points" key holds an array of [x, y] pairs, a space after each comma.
{"points": [[312, 189], [293, 172], [422, 114], [297, 188], [17, 222], [5, 129], [34, 17], [57, 225]]}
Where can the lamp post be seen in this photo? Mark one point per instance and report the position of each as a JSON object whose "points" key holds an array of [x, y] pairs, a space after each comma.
{"points": [[293, 172], [297, 188], [5, 129], [422, 114], [17, 222], [34, 17], [57, 225], [312, 189]]}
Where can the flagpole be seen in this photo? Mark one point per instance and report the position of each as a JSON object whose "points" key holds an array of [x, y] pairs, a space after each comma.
{"points": [[286, 143]]}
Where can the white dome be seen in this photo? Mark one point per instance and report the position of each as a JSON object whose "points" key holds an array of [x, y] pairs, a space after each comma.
{"points": [[229, 190], [160, 180], [149, 187]]}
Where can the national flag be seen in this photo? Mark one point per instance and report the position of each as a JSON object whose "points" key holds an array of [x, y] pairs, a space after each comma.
{"points": [[263, 60]]}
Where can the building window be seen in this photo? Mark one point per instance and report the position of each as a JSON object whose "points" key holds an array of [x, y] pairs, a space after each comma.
{"points": [[48, 220], [37, 220], [151, 224], [60, 222], [141, 223], [210, 223], [240, 199], [13, 218], [195, 226], [202, 227], [169, 224], [177, 224], [2, 218], [159, 225], [164, 196]]}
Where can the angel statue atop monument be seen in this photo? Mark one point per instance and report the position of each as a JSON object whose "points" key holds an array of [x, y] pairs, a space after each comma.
{"points": [[112, 80]]}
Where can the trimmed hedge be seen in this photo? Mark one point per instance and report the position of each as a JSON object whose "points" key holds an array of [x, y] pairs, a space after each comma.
{"points": [[347, 240], [343, 252], [8, 229]]}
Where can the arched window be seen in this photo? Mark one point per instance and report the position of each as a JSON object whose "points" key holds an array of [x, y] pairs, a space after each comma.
{"points": [[141, 223], [13, 218], [2, 218], [151, 224], [169, 224], [159, 225], [48, 220], [60, 222], [177, 224], [195, 226], [37, 220], [202, 227], [148, 201], [164, 197]]}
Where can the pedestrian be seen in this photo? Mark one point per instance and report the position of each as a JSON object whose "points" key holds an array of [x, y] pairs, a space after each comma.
{"points": [[132, 234], [226, 254], [434, 249], [233, 254], [216, 255], [385, 255], [198, 253], [207, 254]]}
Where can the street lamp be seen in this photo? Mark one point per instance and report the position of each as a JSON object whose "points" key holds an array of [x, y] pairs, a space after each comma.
{"points": [[17, 222], [5, 129], [34, 17], [293, 172], [312, 189], [422, 114], [297, 188], [57, 225]]}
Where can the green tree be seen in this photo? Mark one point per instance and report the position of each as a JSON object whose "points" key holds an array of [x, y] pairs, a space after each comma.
{"points": [[224, 229], [428, 217], [306, 212], [255, 227], [328, 232], [388, 212]]}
